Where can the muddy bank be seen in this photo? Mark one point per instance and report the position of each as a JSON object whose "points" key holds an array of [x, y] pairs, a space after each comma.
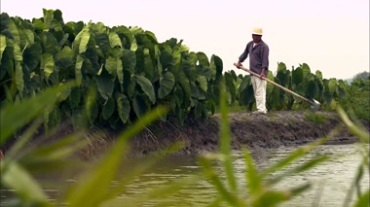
{"points": [[283, 128]]}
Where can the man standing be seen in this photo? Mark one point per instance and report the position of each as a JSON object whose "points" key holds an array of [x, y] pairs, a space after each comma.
{"points": [[258, 52]]}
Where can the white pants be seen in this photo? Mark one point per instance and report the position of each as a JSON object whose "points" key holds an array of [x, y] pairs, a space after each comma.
{"points": [[259, 88]]}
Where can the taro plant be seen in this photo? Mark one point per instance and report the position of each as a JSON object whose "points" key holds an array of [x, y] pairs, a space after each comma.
{"points": [[130, 69], [329, 92]]}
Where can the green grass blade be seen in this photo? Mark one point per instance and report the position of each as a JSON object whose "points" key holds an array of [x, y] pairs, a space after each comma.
{"points": [[138, 170], [97, 181], [363, 201], [225, 140], [310, 164], [165, 191], [19, 144], [360, 132], [273, 198], [216, 202], [211, 174], [358, 178], [296, 154], [16, 115], [357, 129], [19, 180], [52, 156], [354, 185], [270, 198], [252, 176], [299, 169]]}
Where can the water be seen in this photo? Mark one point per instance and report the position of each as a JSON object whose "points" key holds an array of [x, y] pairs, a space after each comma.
{"points": [[331, 180]]}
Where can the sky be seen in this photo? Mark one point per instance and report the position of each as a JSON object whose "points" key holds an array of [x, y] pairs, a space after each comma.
{"points": [[329, 35]]}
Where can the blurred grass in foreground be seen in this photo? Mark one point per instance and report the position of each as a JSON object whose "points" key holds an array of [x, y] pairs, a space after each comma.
{"points": [[94, 188]]}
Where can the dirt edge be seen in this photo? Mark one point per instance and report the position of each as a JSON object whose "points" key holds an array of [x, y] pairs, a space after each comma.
{"points": [[276, 129]]}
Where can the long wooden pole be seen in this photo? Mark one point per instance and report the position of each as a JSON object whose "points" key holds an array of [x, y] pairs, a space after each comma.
{"points": [[277, 85]]}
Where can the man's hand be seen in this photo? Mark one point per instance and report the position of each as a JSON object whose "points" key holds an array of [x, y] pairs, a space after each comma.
{"points": [[263, 74], [238, 65]]}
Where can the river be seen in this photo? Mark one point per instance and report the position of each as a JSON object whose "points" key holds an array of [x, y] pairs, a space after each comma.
{"points": [[331, 180]]}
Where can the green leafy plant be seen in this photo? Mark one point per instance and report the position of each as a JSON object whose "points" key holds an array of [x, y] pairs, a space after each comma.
{"points": [[355, 126], [131, 70], [259, 187], [23, 161]]}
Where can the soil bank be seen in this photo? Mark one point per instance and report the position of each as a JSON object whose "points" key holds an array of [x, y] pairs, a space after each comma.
{"points": [[253, 131]]}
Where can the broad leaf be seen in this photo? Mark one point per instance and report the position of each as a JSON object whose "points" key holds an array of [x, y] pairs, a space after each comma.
{"points": [[217, 67], [114, 40], [128, 60], [203, 84], [81, 41], [120, 71], [47, 64], [78, 73], [123, 107], [48, 18], [29, 37], [19, 80], [91, 105], [105, 85], [306, 69], [74, 97], [203, 59], [297, 76], [14, 31], [166, 56], [184, 82], [114, 67], [139, 106], [146, 87], [32, 56], [230, 86], [167, 82], [85, 37], [332, 85], [108, 108], [49, 43], [17, 53], [176, 58], [148, 65], [102, 40], [65, 57], [2, 45]]}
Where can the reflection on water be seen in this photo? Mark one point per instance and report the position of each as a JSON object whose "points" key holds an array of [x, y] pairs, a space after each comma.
{"points": [[331, 180]]}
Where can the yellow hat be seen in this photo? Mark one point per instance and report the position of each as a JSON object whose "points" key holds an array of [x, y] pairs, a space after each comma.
{"points": [[257, 31]]}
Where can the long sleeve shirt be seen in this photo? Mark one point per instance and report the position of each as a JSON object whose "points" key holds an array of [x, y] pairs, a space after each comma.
{"points": [[258, 56]]}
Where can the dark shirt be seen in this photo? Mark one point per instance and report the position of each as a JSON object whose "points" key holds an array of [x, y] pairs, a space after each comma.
{"points": [[258, 56]]}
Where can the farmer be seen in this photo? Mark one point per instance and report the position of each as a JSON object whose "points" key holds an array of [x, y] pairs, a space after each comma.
{"points": [[258, 52]]}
